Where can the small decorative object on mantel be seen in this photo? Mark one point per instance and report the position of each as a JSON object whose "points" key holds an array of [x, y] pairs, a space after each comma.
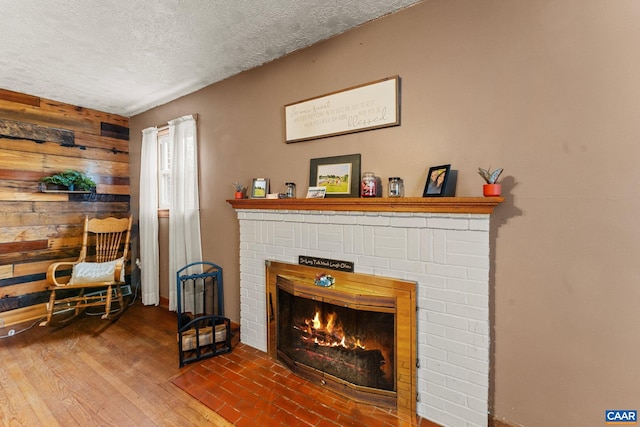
{"points": [[240, 190], [396, 186], [290, 190], [441, 182], [324, 280], [369, 185], [70, 179], [491, 188], [316, 192], [259, 188]]}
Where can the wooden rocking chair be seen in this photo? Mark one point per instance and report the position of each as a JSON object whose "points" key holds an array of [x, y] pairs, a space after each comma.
{"points": [[104, 275]]}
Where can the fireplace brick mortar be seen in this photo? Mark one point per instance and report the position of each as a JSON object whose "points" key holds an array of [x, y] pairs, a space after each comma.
{"points": [[447, 255]]}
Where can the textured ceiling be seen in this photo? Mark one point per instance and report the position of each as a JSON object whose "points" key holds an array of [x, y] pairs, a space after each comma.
{"points": [[127, 56]]}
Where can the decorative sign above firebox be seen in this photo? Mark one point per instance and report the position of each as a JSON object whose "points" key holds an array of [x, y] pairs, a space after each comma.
{"points": [[326, 263]]}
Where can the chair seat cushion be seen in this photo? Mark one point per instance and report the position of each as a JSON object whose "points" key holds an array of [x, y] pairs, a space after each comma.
{"points": [[95, 272]]}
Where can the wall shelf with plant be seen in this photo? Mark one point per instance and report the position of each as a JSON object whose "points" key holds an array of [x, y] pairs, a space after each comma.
{"points": [[69, 181]]}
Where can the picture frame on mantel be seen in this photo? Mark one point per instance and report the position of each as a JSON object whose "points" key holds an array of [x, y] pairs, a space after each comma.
{"points": [[259, 188], [441, 182], [340, 175]]}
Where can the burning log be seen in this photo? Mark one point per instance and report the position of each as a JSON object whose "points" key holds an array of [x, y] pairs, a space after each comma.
{"points": [[329, 335], [357, 366], [322, 343]]}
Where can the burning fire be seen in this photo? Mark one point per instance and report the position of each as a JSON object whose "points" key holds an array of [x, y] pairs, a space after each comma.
{"points": [[330, 334]]}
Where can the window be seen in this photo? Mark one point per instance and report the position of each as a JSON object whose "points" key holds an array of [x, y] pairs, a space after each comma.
{"points": [[164, 169]]}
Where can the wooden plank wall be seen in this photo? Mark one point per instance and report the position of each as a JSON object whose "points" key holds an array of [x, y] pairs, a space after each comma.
{"points": [[39, 137]]}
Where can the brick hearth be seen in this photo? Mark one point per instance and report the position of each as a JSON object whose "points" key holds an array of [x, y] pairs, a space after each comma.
{"points": [[250, 389]]}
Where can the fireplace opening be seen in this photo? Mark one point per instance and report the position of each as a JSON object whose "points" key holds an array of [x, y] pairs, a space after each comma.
{"points": [[356, 338], [353, 345]]}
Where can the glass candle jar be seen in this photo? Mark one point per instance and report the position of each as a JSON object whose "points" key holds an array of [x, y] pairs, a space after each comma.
{"points": [[396, 187], [368, 187], [290, 190]]}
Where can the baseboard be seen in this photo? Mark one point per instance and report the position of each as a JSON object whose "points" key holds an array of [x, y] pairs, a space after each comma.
{"points": [[164, 302], [493, 422], [23, 315]]}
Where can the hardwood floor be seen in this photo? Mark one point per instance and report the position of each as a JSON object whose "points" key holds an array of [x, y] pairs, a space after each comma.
{"points": [[95, 373]]}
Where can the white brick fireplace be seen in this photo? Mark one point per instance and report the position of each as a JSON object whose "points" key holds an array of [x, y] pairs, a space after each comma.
{"points": [[446, 254]]}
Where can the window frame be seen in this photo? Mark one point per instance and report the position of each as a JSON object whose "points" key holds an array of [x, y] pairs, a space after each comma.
{"points": [[164, 146]]}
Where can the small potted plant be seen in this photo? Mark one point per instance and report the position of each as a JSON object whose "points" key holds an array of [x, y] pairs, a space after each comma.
{"points": [[71, 179], [491, 188], [240, 190]]}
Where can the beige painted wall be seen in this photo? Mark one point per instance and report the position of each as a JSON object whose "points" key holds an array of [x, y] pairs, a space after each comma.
{"points": [[550, 91]]}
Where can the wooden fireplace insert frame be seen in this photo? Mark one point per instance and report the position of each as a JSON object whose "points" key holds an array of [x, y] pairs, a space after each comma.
{"points": [[359, 288]]}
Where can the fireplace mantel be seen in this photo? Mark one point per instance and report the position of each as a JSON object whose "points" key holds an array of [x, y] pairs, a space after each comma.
{"points": [[470, 205]]}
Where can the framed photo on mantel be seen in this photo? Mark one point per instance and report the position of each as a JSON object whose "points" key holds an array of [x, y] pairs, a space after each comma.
{"points": [[339, 175], [441, 182], [259, 188]]}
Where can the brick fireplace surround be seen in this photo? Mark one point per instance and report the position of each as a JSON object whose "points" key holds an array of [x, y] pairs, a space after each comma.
{"points": [[440, 243]]}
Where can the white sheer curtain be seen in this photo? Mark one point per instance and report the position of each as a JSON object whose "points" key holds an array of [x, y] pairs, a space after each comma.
{"points": [[150, 270], [184, 218]]}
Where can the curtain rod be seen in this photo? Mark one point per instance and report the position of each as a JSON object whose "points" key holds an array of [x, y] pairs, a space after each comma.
{"points": [[166, 125]]}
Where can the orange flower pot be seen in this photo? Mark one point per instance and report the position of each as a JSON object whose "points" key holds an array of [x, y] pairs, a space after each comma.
{"points": [[491, 190], [239, 195]]}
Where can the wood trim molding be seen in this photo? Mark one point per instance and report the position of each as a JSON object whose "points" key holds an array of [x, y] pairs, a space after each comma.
{"points": [[24, 314], [164, 302], [21, 98], [494, 422], [469, 205]]}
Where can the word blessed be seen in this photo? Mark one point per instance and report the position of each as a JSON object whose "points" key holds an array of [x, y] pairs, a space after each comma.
{"points": [[326, 263], [357, 121], [620, 416]]}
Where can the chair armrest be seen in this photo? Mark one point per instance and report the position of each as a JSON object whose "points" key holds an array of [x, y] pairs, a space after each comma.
{"points": [[51, 272], [119, 270]]}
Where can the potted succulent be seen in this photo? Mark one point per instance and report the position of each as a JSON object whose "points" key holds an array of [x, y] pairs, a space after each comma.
{"points": [[240, 190], [71, 179], [491, 188]]}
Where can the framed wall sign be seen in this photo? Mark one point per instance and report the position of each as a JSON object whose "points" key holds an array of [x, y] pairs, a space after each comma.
{"points": [[340, 175], [365, 107]]}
